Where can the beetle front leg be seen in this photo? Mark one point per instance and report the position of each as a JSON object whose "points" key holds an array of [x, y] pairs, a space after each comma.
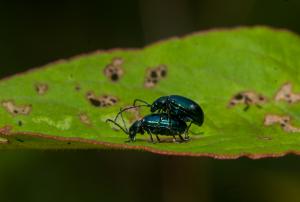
{"points": [[181, 138]]}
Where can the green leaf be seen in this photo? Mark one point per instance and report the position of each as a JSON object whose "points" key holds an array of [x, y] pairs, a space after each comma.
{"points": [[65, 104]]}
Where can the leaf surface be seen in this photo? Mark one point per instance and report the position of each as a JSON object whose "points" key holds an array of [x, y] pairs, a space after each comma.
{"points": [[57, 106]]}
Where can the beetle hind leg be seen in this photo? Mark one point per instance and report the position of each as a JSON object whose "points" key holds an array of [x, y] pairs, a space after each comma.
{"points": [[158, 140]]}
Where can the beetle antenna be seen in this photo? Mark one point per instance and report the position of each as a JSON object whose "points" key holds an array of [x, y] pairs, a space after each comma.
{"points": [[109, 120], [123, 122], [125, 109], [142, 101]]}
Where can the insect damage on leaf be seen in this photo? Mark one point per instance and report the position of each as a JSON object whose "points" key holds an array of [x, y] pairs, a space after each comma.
{"points": [[14, 109], [77, 87], [247, 98], [64, 124], [41, 88], [101, 101], [284, 121], [64, 111], [135, 114], [114, 71], [285, 93], [154, 75], [84, 119]]}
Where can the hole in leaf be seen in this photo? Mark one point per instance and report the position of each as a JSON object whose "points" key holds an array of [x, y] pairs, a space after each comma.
{"points": [[95, 102], [114, 71], [285, 93], [162, 70], [154, 75], [14, 109], [41, 88], [101, 101], [247, 98], [114, 77], [238, 96], [283, 121]]}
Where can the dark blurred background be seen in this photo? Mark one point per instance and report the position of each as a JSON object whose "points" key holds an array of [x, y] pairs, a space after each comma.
{"points": [[34, 33]]}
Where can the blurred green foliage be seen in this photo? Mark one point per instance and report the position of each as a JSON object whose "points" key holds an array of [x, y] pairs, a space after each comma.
{"points": [[34, 33]]}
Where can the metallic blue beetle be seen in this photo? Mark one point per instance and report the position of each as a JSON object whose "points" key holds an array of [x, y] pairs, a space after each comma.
{"points": [[178, 106], [157, 124]]}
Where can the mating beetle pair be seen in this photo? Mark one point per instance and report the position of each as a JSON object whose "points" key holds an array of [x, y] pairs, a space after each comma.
{"points": [[173, 113]]}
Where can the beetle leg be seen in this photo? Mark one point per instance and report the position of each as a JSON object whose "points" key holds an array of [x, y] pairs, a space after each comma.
{"points": [[174, 138], [158, 140], [181, 138], [169, 114], [186, 133], [150, 134]]}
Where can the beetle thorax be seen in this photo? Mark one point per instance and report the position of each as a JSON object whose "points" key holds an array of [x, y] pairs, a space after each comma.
{"points": [[159, 104]]}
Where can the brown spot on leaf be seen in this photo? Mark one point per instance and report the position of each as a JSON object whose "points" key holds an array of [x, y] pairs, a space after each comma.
{"points": [[41, 88], [154, 75], [283, 121], [101, 101], [239, 96], [114, 71], [84, 119], [162, 70], [247, 98], [135, 114], [77, 87], [14, 109], [285, 93], [114, 77], [117, 61]]}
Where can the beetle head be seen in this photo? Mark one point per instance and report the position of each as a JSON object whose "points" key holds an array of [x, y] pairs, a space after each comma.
{"points": [[159, 104], [134, 129]]}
